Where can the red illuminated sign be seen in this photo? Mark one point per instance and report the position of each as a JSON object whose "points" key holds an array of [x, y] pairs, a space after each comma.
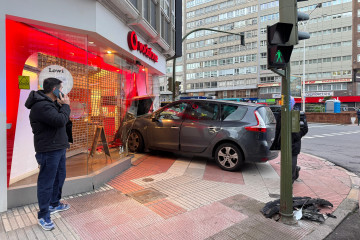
{"points": [[134, 44]]}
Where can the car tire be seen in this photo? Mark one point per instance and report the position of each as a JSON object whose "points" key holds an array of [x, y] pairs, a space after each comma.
{"points": [[229, 157], [135, 142]]}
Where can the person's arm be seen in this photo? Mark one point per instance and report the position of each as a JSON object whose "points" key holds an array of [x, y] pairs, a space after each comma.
{"points": [[304, 130], [48, 114]]}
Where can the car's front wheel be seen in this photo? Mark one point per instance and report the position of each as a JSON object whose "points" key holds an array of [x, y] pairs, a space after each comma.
{"points": [[135, 142], [229, 157]]}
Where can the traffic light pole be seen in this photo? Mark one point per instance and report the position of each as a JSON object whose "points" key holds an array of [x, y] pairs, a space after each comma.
{"points": [[173, 78], [242, 42], [286, 201]]}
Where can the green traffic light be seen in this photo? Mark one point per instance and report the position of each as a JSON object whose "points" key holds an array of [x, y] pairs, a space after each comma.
{"points": [[279, 57]]}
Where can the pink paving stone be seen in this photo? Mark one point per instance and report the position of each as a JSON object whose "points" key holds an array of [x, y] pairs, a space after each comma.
{"points": [[214, 173]]}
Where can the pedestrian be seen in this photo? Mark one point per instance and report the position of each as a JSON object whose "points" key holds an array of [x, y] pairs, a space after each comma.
{"points": [[295, 139], [358, 115], [49, 116]]}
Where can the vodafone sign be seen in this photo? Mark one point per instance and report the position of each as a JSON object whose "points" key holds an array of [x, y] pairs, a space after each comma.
{"points": [[134, 44]]}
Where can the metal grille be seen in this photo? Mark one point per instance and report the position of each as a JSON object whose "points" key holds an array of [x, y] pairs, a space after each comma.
{"points": [[95, 101]]}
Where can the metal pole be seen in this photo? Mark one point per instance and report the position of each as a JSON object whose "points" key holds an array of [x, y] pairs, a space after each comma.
{"points": [[173, 80], [303, 91], [286, 203]]}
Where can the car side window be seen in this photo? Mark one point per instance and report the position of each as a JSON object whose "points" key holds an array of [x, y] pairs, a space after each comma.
{"points": [[203, 111], [232, 112], [173, 112], [266, 114]]}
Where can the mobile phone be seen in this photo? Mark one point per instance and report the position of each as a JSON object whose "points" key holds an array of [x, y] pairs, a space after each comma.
{"points": [[57, 93]]}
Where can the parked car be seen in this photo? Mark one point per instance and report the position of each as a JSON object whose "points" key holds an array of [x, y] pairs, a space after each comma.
{"points": [[230, 132]]}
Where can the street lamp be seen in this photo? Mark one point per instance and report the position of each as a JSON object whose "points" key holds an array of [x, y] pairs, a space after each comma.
{"points": [[242, 42], [319, 5]]}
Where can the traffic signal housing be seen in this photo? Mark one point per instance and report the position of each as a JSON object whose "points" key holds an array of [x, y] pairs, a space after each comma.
{"points": [[278, 53], [290, 14]]}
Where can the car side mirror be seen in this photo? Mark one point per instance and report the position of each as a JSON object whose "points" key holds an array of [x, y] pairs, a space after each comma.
{"points": [[154, 119]]}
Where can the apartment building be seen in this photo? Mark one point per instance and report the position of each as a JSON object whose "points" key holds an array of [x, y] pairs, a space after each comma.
{"points": [[215, 64], [356, 47]]}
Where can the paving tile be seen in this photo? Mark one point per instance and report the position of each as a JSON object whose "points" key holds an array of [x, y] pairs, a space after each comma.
{"points": [[29, 232], [7, 225], [38, 232], [12, 235]]}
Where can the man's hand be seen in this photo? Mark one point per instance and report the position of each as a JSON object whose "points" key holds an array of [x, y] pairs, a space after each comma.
{"points": [[64, 100]]}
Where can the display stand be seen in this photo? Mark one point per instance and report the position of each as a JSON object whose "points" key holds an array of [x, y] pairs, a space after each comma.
{"points": [[99, 132]]}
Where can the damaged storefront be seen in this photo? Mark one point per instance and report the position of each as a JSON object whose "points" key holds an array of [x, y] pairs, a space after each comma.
{"points": [[109, 70]]}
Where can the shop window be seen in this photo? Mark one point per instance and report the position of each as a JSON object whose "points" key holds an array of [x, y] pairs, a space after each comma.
{"points": [[101, 96]]}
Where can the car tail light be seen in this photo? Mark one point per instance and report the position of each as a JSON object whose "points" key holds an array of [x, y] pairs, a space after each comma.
{"points": [[260, 127]]}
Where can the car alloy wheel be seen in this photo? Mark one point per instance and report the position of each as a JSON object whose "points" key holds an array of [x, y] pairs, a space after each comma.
{"points": [[228, 157], [135, 142]]}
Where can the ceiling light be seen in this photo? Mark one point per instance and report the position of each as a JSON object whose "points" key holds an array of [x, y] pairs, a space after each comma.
{"points": [[109, 52], [91, 42]]}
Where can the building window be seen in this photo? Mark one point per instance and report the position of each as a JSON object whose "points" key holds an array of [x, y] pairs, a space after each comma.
{"points": [[358, 28], [358, 57], [358, 42]]}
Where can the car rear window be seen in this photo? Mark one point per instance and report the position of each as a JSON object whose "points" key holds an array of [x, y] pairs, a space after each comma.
{"points": [[266, 114], [232, 112]]}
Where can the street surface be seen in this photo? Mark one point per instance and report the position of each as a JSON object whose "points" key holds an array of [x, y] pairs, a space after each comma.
{"points": [[338, 144]]}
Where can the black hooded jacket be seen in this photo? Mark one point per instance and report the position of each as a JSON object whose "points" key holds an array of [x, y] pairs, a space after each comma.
{"points": [[48, 122], [295, 137]]}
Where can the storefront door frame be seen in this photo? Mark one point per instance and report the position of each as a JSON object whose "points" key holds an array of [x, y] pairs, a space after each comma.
{"points": [[3, 158]]}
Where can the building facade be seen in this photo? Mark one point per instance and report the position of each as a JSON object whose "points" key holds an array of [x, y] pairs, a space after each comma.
{"points": [[215, 64], [109, 55], [356, 46]]}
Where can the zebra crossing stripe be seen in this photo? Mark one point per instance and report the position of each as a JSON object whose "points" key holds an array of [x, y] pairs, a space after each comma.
{"points": [[318, 136]]}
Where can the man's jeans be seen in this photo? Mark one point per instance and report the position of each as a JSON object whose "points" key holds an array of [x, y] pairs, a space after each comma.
{"points": [[51, 180]]}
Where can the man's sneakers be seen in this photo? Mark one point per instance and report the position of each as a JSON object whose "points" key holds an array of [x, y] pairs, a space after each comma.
{"points": [[46, 225], [61, 207]]}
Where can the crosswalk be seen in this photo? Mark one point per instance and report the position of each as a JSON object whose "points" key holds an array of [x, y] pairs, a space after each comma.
{"points": [[331, 134]]}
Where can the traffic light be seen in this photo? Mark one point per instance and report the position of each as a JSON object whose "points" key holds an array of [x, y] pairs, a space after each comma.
{"points": [[289, 14], [177, 88], [170, 84], [278, 54]]}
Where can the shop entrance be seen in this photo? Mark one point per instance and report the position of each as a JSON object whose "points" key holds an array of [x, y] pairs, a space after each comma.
{"points": [[96, 101]]}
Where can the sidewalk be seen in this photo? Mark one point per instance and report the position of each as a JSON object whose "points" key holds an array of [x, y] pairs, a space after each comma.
{"points": [[164, 197]]}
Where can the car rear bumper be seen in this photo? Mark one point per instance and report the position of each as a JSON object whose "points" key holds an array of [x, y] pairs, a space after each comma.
{"points": [[263, 154]]}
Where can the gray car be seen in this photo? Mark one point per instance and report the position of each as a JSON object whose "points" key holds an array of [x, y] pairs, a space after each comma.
{"points": [[230, 132]]}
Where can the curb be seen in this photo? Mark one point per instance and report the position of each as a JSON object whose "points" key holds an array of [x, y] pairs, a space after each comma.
{"points": [[349, 205]]}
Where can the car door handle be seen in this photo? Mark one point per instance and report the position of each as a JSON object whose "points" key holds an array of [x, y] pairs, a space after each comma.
{"points": [[214, 129]]}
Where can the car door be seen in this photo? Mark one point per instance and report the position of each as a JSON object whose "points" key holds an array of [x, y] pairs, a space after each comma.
{"points": [[201, 124], [164, 130]]}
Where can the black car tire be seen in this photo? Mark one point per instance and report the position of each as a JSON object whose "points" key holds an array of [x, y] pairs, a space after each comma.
{"points": [[135, 142], [229, 157]]}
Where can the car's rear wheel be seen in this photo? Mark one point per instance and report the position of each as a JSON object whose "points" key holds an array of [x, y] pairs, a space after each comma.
{"points": [[135, 142], [229, 157]]}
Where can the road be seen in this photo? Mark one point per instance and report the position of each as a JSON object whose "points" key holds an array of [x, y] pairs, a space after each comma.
{"points": [[336, 143]]}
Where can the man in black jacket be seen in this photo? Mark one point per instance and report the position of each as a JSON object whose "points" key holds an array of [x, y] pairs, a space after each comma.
{"points": [[49, 114]]}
